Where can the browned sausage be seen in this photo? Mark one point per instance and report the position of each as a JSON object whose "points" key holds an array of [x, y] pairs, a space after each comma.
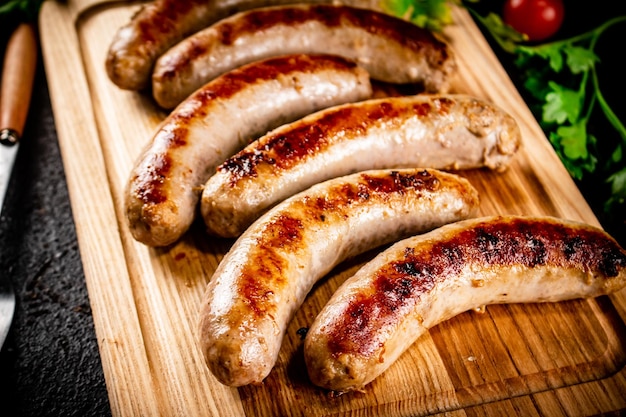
{"points": [[165, 185], [421, 281], [432, 131]]}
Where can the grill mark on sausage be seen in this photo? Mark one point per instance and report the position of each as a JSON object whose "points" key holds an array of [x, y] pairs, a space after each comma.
{"points": [[399, 285], [260, 277], [335, 16], [149, 184], [347, 196], [284, 150], [397, 182], [238, 80], [163, 19], [285, 233]]}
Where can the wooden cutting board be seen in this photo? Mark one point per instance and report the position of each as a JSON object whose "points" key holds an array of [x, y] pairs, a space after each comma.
{"points": [[543, 359]]}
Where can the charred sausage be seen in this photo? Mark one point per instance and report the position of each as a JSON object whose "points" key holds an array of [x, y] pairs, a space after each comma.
{"points": [[421, 281]]}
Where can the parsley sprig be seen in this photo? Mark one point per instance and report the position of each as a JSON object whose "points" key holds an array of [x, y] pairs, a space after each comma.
{"points": [[563, 79]]}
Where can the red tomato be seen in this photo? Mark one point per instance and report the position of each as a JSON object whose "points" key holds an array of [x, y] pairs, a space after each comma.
{"points": [[538, 19]]}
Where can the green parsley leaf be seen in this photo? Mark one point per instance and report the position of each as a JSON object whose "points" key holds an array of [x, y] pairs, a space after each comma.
{"points": [[574, 140], [549, 52], [618, 189], [507, 37], [579, 59], [429, 14], [618, 181], [616, 155], [579, 166], [562, 104]]}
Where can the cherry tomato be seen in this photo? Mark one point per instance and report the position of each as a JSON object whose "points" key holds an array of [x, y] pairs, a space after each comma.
{"points": [[538, 19]]}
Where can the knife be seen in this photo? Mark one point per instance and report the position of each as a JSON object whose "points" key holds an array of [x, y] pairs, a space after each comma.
{"points": [[18, 73]]}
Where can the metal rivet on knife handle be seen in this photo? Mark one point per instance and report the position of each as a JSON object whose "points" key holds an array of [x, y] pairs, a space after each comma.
{"points": [[9, 137]]}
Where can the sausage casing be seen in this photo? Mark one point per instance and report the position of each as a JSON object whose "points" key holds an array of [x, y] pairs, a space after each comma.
{"points": [[421, 281]]}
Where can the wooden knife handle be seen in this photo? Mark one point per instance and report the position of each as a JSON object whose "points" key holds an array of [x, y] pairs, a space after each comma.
{"points": [[18, 73]]}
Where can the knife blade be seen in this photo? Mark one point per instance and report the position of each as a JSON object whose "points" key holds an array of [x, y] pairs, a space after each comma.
{"points": [[7, 160], [18, 73], [7, 294]]}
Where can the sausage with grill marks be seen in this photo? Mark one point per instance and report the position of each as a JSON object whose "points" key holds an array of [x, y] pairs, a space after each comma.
{"points": [[433, 131], [391, 301]]}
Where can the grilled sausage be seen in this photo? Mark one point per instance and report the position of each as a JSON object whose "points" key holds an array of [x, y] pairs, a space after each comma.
{"points": [[421, 281], [436, 131], [265, 276], [218, 120], [161, 24], [389, 48]]}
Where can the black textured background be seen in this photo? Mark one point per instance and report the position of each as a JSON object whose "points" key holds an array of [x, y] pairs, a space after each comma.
{"points": [[49, 365]]}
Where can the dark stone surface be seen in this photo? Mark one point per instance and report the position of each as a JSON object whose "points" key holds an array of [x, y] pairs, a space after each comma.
{"points": [[49, 365]]}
